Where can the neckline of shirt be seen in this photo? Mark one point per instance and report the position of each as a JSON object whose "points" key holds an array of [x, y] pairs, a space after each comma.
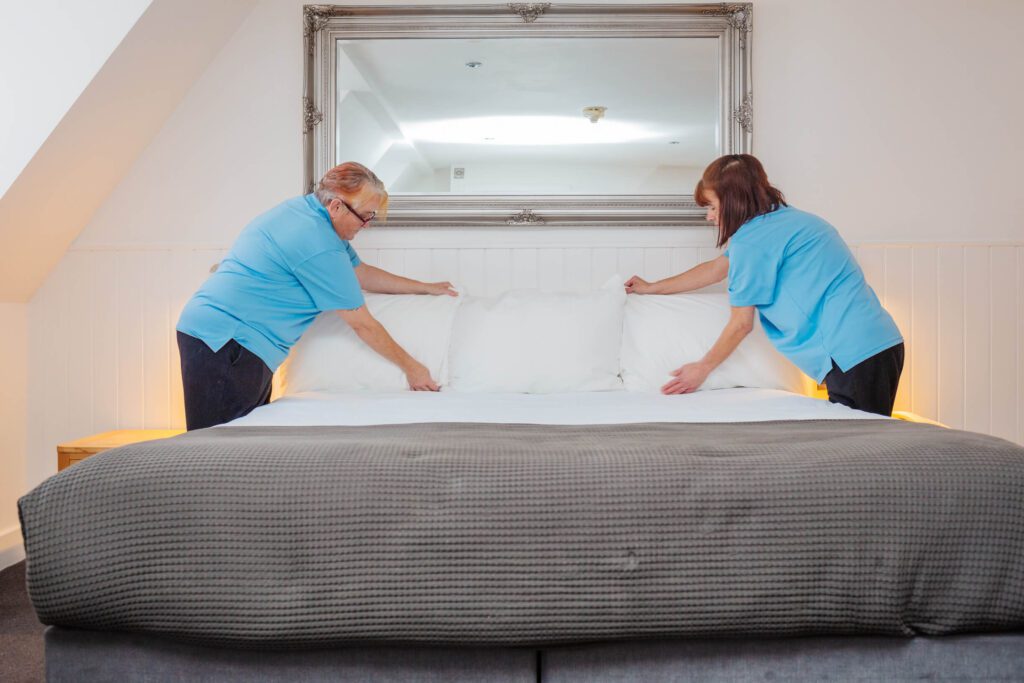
{"points": [[321, 210], [760, 217]]}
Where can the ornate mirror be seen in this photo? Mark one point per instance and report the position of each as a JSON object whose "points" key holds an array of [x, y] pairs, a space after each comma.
{"points": [[529, 114]]}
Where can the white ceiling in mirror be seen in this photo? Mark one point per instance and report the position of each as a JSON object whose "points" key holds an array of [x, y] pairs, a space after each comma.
{"points": [[506, 115]]}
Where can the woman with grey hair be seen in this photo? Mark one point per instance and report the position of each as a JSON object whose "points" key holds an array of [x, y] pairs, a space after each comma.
{"points": [[286, 267]]}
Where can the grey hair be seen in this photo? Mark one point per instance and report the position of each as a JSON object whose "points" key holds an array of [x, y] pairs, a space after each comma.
{"points": [[347, 180]]}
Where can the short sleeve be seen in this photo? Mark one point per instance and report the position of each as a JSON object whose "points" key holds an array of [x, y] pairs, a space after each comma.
{"points": [[752, 276], [352, 255], [330, 280]]}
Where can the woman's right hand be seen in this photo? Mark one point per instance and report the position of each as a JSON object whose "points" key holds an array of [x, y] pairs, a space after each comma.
{"points": [[637, 285]]}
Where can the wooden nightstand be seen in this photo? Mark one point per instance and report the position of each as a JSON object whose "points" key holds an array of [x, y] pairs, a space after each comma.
{"points": [[914, 417], [821, 392], [74, 451]]}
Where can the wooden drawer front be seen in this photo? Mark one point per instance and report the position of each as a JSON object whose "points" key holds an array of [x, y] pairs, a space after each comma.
{"points": [[76, 451]]}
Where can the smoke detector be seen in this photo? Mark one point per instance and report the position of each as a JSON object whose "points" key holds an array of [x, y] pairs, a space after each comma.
{"points": [[595, 114]]}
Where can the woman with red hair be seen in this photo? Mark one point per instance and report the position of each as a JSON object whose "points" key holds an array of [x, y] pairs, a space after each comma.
{"points": [[795, 270]]}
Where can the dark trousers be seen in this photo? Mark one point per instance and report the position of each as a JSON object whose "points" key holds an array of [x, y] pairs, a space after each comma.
{"points": [[220, 386], [869, 385]]}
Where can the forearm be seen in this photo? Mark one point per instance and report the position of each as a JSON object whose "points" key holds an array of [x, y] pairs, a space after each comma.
{"points": [[702, 275], [377, 338], [379, 281], [691, 376], [731, 336]]}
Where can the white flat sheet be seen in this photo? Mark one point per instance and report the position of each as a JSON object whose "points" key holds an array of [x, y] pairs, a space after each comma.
{"points": [[605, 407]]}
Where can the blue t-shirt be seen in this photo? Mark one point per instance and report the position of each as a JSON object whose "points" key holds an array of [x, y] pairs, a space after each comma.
{"points": [[286, 267], [813, 301]]}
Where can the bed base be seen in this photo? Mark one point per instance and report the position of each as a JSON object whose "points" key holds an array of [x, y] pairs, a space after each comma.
{"points": [[81, 656]]}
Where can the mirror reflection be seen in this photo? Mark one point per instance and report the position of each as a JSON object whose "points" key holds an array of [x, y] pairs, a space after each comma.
{"points": [[539, 116]]}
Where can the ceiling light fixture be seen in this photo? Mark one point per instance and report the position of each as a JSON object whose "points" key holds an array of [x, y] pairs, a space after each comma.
{"points": [[595, 113], [526, 130]]}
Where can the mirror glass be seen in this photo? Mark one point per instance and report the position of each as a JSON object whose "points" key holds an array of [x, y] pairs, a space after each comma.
{"points": [[536, 116]]}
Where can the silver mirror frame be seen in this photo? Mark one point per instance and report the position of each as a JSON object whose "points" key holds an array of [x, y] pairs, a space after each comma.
{"points": [[323, 25]]}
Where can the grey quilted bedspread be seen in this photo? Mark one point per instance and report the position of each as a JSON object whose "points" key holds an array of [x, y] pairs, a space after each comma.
{"points": [[527, 534]]}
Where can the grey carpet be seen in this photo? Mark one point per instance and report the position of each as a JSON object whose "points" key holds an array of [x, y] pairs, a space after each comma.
{"points": [[21, 634]]}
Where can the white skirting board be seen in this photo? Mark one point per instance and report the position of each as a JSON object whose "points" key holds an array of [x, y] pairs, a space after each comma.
{"points": [[12, 549], [103, 353]]}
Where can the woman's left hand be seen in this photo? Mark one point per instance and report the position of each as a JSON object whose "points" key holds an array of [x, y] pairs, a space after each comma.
{"points": [[439, 288], [686, 379], [637, 285]]}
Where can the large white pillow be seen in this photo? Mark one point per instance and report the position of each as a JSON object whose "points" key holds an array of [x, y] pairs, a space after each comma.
{"points": [[330, 357], [538, 342], [661, 333]]}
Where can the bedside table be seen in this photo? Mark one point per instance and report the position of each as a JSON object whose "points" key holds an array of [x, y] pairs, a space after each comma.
{"points": [[822, 393], [75, 451], [914, 417]]}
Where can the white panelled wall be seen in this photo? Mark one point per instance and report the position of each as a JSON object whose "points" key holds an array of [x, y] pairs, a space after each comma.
{"points": [[103, 354]]}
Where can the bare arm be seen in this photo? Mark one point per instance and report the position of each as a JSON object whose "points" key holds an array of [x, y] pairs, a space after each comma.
{"points": [[378, 339], [690, 376], [707, 273], [374, 279]]}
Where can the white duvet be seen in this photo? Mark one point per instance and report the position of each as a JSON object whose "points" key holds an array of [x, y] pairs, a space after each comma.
{"points": [[602, 407]]}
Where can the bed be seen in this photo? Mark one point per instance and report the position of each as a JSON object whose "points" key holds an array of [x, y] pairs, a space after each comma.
{"points": [[547, 517], [598, 610]]}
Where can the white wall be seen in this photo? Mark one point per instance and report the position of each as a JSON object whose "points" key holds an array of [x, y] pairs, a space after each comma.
{"points": [[58, 47], [894, 120], [85, 156], [232, 149], [13, 420], [898, 120]]}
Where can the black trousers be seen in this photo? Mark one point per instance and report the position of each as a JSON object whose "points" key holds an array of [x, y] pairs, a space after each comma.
{"points": [[220, 386], [869, 385]]}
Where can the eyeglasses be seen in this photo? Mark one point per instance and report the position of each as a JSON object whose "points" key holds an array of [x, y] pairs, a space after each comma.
{"points": [[364, 221]]}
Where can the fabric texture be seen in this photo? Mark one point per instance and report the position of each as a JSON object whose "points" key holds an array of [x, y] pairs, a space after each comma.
{"points": [[331, 357], [74, 656], [660, 333], [578, 408], [286, 267], [524, 534], [870, 385], [223, 385], [538, 342], [810, 294], [982, 658], [84, 656], [21, 634]]}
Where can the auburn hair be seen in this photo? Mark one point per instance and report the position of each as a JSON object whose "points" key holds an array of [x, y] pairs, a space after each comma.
{"points": [[743, 191]]}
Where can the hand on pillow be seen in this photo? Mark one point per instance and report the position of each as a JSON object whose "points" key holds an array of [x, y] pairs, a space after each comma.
{"points": [[439, 288], [686, 379], [664, 336], [331, 358]]}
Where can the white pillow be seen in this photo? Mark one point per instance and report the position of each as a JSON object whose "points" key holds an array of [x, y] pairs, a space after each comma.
{"points": [[330, 357], [661, 333], [538, 342]]}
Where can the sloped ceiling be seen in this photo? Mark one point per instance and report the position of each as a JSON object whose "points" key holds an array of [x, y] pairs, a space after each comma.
{"points": [[39, 84], [96, 142]]}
